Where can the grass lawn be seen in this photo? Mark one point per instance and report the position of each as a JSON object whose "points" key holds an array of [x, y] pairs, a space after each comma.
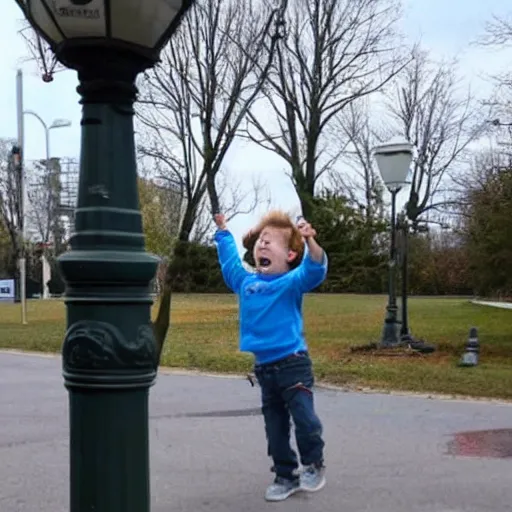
{"points": [[204, 335]]}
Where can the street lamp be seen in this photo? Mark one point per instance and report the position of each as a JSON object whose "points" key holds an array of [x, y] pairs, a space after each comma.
{"points": [[57, 123], [412, 211], [394, 161], [109, 353]]}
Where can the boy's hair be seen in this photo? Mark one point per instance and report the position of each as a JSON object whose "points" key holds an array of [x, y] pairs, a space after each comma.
{"points": [[280, 220]]}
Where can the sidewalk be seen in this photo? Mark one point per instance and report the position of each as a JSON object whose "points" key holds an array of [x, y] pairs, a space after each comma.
{"points": [[503, 305]]}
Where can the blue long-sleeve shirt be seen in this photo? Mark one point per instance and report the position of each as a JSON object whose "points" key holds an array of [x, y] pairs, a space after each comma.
{"points": [[271, 323]]}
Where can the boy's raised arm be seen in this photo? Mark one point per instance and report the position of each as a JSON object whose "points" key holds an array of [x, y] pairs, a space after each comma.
{"points": [[229, 259], [313, 269]]}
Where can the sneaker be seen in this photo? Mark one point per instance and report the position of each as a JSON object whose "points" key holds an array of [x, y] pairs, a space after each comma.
{"points": [[282, 488], [312, 478]]}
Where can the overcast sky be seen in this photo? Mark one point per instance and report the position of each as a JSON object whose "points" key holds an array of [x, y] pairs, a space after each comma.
{"points": [[445, 27]]}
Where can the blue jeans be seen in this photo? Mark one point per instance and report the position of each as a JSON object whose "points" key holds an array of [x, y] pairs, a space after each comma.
{"points": [[286, 391]]}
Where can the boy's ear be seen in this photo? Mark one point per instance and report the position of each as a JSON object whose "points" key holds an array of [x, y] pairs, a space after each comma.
{"points": [[292, 255]]}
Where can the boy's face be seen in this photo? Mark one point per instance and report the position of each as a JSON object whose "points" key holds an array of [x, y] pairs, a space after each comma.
{"points": [[271, 252]]}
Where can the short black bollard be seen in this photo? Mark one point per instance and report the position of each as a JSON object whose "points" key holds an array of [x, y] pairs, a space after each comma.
{"points": [[470, 356]]}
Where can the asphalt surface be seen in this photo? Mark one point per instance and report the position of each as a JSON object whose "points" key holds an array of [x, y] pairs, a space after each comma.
{"points": [[384, 453]]}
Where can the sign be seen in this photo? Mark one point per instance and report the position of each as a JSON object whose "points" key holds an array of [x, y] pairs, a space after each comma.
{"points": [[77, 11], [7, 290]]}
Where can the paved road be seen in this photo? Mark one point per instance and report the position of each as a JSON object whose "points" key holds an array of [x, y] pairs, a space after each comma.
{"points": [[385, 453]]}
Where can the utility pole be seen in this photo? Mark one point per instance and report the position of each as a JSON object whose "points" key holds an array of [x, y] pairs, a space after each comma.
{"points": [[21, 168]]}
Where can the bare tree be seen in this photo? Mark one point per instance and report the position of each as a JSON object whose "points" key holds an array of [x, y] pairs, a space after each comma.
{"points": [[43, 194], [498, 31], [363, 185], [11, 200], [193, 103], [498, 35], [441, 121], [336, 51], [484, 165], [237, 199]]}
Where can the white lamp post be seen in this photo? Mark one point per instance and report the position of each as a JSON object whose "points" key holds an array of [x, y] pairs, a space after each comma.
{"points": [[57, 123], [394, 162]]}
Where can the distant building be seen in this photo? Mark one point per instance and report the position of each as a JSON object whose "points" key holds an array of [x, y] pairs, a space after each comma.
{"points": [[51, 196]]}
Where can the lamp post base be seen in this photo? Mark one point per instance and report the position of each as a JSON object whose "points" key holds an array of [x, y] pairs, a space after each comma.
{"points": [[391, 339], [418, 345], [390, 331]]}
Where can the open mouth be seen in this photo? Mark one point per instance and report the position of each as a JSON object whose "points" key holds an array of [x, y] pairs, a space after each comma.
{"points": [[264, 262]]}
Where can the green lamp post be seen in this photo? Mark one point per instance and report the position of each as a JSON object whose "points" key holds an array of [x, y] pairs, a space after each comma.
{"points": [[394, 161], [109, 354]]}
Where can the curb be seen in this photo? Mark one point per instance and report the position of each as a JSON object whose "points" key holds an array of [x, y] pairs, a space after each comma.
{"points": [[167, 370]]}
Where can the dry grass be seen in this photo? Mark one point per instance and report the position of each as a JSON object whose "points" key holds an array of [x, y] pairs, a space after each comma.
{"points": [[204, 335]]}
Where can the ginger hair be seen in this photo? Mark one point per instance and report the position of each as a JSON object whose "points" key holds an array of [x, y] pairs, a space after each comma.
{"points": [[280, 220]]}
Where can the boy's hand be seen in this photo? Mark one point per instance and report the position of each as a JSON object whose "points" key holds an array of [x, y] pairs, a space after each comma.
{"points": [[316, 253], [306, 230], [220, 220]]}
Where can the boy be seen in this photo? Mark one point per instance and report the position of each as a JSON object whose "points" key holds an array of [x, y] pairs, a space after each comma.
{"points": [[271, 327]]}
